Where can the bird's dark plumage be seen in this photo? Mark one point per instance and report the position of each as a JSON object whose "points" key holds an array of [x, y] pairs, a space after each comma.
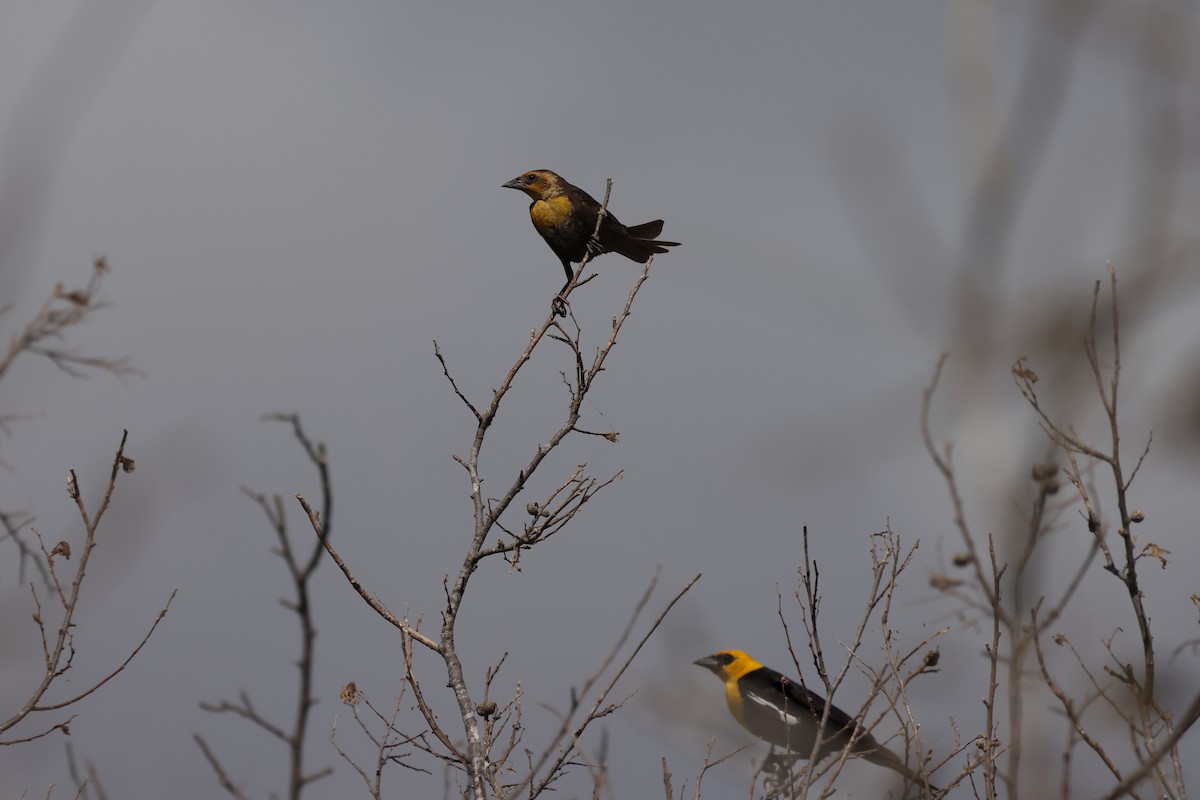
{"points": [[565, 216]]}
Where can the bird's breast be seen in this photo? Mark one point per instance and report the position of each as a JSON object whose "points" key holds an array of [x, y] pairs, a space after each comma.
{"points": [[733, 699], [550, 213]]}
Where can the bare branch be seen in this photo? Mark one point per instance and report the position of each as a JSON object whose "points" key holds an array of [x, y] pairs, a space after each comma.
{"points": [[120, 668], [59, 649], [301, 571], [314, 518]]}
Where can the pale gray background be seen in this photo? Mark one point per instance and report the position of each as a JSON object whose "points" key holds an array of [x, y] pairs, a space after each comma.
{"points": [[296, 198]]}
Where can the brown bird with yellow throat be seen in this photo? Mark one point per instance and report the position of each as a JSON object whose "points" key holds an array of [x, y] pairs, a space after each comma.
{"points": [[565, 216]]}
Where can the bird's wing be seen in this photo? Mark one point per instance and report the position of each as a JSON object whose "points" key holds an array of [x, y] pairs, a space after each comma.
{"points": [[801, 703], [790, 715]]}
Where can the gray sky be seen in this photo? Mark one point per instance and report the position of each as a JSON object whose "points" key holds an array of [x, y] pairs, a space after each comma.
{"points": [[296, 198]]}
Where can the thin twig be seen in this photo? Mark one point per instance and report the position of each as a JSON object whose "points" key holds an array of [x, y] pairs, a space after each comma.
{"points": [[314, 518], [598, 709]]}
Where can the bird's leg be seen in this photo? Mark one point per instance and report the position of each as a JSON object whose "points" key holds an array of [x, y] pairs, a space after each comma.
{"points": [[778, 762], [594, 248], [778, 779], [559, 304], [776, 773]]}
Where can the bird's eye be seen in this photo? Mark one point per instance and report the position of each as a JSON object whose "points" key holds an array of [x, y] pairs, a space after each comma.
{"points": [[530, 178], [726, 658]]}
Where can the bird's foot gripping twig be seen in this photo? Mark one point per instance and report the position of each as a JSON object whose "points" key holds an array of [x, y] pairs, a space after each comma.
{"points": [[559, 303], [779, 780]]}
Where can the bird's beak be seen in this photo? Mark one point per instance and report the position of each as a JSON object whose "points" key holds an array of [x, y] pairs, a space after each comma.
{"points": [[515, 183], [708, 662]]}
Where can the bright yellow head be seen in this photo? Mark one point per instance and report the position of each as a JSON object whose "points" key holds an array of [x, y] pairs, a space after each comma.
{"points": [[540, 184], [728, 665]]}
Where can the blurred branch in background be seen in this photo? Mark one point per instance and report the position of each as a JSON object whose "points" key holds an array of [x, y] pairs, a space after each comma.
{"points": [[87, 780], [301, 564], [51, 109], [1011, 102], [44, 335], [1098, 692], [1007, 148], [1159, 248], [1138, 706], [63, 310]]}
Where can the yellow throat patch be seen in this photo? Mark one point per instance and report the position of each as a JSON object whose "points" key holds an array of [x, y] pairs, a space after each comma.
{"points": [[550, 213]]}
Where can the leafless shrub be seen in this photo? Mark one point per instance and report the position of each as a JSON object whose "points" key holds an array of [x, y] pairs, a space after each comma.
{"points": [[56, 628]]}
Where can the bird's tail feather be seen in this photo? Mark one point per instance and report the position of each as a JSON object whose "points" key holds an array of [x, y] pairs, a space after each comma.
{"points": [[640, 250], [647, 230], [886, 758], [639, 243]]}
